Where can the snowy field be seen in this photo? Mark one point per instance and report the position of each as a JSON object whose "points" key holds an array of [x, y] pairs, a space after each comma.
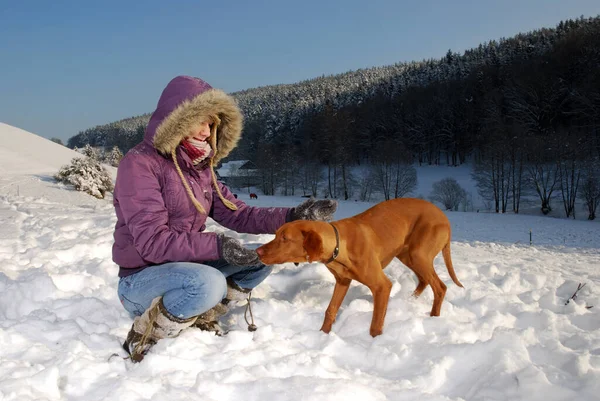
{"points": [[508, 335]]}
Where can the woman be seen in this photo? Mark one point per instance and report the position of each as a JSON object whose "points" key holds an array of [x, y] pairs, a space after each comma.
{"points": [[173, 274]]}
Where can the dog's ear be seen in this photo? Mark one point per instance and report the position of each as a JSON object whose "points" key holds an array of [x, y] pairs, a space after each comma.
{"points": [[313, 245]]}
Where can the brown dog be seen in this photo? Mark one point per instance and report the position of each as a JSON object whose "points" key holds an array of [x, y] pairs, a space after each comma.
{"points": [[253, 196], [360, 247]]}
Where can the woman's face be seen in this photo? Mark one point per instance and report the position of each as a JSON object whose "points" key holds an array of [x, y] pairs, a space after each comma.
{"points": [[203, 132]]}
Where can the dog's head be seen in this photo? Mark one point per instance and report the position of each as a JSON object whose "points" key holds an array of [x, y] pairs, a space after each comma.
{"points": [[298, 241]]}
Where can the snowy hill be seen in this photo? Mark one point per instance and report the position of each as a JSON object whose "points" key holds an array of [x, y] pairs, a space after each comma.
{"points": [[27, 153], [28, 162], [508, 335]]}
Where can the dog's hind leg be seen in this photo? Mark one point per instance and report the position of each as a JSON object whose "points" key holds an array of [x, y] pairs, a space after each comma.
{"points": [[422, 265], [339, 293], [404, 258], [431, 240], [420, 288], [439, 292]]}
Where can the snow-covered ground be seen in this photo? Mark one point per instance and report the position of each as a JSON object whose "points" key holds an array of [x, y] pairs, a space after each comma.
{"points": [[508, 335]]}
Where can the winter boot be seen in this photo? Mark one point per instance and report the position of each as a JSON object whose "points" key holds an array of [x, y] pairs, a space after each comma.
{"points": [[209, 320], [155, 323]]}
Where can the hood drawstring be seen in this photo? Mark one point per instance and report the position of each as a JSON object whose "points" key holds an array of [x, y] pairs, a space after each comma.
{"points": [[230, 205], [185, 183], [213, 143]]}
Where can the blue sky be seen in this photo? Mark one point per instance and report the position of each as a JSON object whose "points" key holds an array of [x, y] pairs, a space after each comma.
{"points": [[67, 66]]}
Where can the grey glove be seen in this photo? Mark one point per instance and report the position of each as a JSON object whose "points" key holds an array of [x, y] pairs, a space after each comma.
{"points": [[312, 209], [234, 252]]}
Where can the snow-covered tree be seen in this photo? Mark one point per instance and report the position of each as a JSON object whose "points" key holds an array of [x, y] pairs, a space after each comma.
{"points": [[91, 152], [277, 112], [114, 156], [86, 175]]}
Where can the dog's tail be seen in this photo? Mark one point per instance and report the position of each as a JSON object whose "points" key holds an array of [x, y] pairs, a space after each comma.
{"points": [[448, 261]]}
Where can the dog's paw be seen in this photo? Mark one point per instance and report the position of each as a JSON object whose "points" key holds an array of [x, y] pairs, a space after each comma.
{"points": [[375, 332]]}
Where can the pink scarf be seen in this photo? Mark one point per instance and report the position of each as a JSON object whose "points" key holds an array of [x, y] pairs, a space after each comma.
{"points": [[196, 150]]}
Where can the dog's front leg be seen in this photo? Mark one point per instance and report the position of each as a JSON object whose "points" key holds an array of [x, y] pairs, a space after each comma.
{"points": [[339, 292], [380, 287]]}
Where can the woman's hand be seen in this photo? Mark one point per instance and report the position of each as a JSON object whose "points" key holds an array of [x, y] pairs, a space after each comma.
{"points": [[235, 253], [312, 209]]}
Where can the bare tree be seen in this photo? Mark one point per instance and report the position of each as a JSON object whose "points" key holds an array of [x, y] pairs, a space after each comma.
{"points": [[449, 193], [570, 166], [516, 160], [544, 178], [337, 149], [493, 176], [332, 174], [366, 185], [289, 174], [395, 180], [486, 183], [268, 168], [542, 170], [394, 171], [569, 173], [344, 122], [311, 176], [382, 173], [590, 187], [496, 167], [406, 179]]}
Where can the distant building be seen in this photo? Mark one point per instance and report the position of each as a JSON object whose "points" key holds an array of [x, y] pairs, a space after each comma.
{"points": [[239, 174]]}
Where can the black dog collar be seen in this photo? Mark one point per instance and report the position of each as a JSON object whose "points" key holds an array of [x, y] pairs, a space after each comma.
{"points": [[336, 250]]}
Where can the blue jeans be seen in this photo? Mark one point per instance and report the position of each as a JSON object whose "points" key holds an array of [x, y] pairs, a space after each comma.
{"points": [[188, 289]]}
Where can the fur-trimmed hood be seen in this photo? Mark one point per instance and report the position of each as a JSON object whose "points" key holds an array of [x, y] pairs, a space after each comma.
{"points": [[183, 105]]}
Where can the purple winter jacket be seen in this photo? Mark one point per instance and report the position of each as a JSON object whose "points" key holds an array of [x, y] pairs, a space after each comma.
{"points": [[156, 220]]}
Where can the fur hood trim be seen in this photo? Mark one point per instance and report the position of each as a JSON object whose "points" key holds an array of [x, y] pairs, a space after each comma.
{"points": [[212, 104]]}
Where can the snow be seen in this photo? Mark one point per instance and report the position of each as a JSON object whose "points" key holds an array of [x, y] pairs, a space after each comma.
{"points": [[508, 335]]}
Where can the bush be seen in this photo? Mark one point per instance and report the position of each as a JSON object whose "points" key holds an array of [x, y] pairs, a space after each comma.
{"points": [[86, 175], [449, 193]]}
